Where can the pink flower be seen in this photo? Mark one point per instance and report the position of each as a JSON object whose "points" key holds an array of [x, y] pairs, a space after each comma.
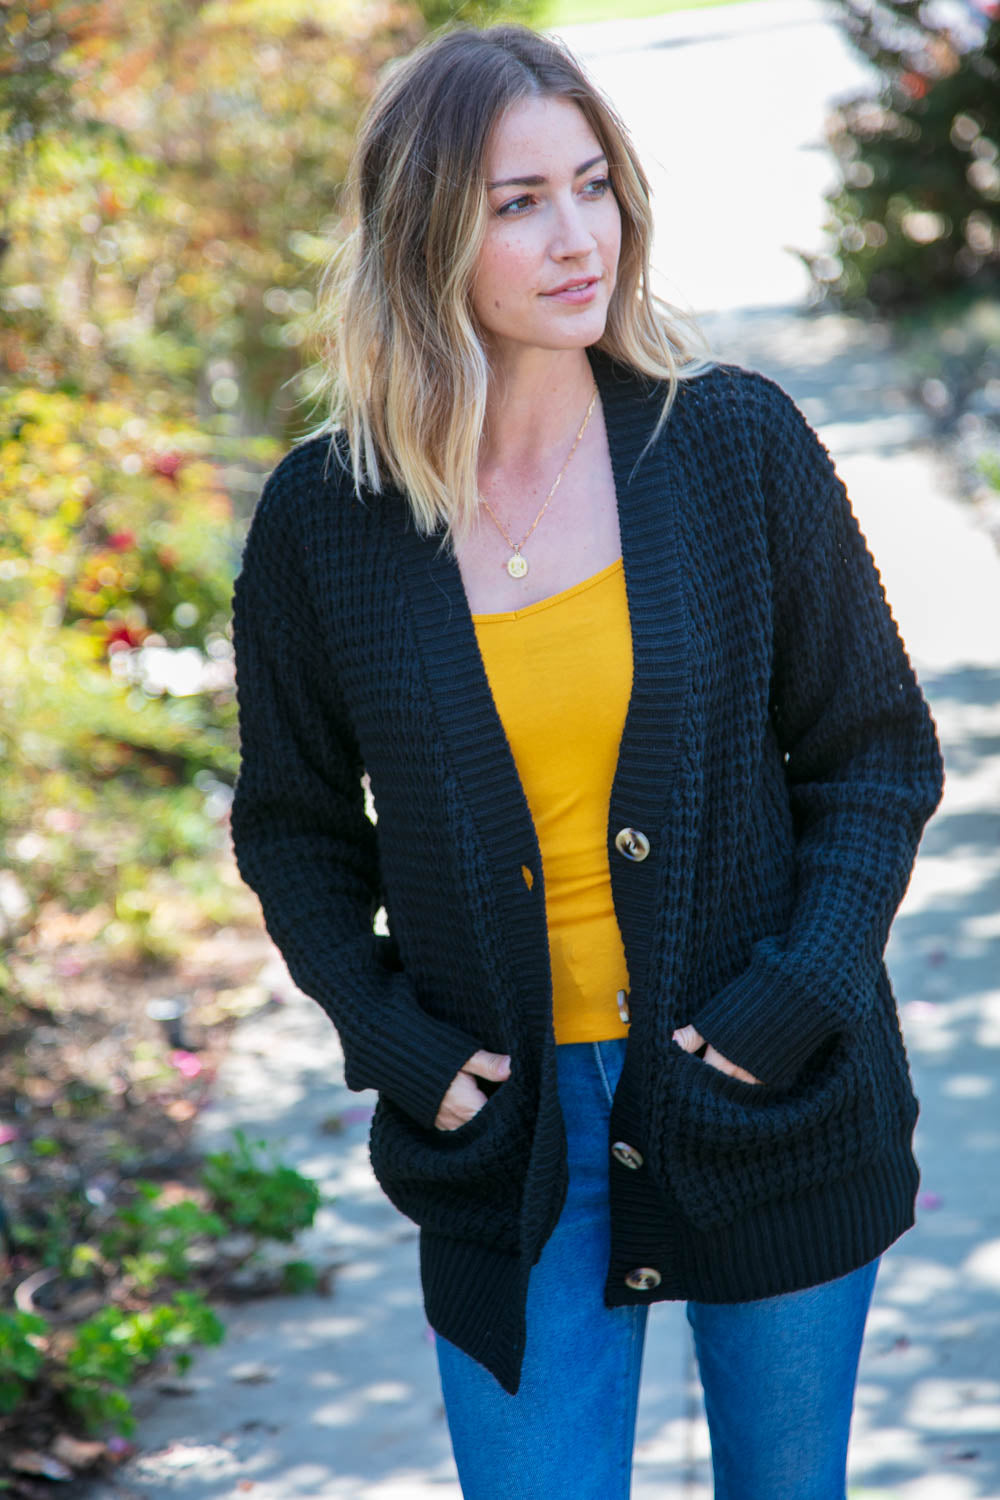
{"points": [[8, 1133], [186, 1063], [167, 464]]}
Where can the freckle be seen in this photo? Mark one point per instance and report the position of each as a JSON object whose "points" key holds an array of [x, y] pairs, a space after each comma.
{"points": [[496, 304]]}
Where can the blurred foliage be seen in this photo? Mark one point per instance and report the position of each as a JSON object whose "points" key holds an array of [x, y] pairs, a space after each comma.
{"points": [[169, 178], [127, 1284], [161, 220], [271, 1201], [478, 12], [115, 569], [917, 211], [111, 1348], [21, 1357], [914, 221]]}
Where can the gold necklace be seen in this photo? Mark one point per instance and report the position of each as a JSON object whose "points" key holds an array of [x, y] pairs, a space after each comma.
{"points": [[517, 565]]}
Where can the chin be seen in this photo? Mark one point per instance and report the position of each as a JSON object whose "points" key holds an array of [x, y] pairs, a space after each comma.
{"points": [[578, 330], [555, 335], [581, 336]]}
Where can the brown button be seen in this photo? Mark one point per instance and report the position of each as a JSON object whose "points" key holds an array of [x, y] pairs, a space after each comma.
{"points": [[633, 844], [643, 1279], [627, 1155]]}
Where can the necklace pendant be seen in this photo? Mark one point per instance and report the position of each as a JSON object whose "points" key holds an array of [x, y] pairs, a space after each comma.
{"points": [[517, 566]]}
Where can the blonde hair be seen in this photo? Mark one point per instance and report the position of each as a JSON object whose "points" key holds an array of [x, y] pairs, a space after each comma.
{"points": [[401, 359]]}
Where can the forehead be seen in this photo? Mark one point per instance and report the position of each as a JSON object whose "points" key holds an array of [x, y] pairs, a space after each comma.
{"points": [[538, 137]]}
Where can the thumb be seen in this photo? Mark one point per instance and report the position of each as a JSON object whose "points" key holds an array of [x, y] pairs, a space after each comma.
{"points": [[494, 1065], [687, 1038]]}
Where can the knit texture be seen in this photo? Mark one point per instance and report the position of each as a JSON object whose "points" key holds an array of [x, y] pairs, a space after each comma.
{"points": [[780, 759]]}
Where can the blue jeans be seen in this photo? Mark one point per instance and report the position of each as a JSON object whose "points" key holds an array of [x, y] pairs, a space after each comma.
{"points": [[778, 1374]]}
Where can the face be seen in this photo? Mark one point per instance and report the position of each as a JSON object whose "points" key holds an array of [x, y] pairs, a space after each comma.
{"points": [[547, 267]]}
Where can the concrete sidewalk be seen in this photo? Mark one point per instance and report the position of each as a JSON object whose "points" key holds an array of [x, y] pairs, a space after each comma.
{"points": [[338, 1396]]}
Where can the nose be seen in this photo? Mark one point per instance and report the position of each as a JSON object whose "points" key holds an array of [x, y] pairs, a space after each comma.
{"points": [[573, 237]]}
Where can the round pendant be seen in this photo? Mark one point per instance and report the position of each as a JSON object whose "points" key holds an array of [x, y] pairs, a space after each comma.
{"points": [[516, 566]]}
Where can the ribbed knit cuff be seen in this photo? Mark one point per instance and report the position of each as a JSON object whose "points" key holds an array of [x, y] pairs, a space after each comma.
{"points": [[757, 1023], [413, 1065]]}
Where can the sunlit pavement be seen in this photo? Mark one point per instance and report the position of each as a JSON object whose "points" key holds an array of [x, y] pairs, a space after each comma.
{"points": [[337, 1396]]}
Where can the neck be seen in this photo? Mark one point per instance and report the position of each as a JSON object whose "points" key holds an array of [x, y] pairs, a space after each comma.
{"points": [[535, 401]]}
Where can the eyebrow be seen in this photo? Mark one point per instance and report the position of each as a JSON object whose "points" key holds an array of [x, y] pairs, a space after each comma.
{"points": [[541, 181]]}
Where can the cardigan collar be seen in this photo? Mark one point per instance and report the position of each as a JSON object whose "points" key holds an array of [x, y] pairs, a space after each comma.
{"points": [[649, 490]]}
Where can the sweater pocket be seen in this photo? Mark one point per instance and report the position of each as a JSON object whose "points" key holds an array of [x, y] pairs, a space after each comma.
{"points": [[727, 1146], [465, 1183]]}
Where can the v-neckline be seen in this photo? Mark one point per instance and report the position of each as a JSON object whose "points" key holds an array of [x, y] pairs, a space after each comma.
{"points": [[649, 497], [497, 616]]}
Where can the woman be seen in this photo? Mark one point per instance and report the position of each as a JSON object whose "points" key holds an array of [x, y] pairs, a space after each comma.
{"points": [[650, 766]]}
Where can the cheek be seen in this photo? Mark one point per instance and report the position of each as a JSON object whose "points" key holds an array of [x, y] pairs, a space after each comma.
{"points": [[505, 269]]}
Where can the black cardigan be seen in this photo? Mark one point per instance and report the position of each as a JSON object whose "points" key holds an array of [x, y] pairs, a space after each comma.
{"points": [[781, 762]]}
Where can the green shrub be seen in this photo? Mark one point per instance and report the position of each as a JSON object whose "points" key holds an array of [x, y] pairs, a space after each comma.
{"points": [[21, 1357], [152, 1242], [269, 1202], [917, 212], [142, 1253], [110, 1349]]}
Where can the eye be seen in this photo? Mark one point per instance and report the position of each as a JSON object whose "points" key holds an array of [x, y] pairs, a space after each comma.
{"points": [[515, 207], [597, 187]]}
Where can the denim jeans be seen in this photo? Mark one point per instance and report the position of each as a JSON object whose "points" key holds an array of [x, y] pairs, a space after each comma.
{"points": [[778, 1374]]}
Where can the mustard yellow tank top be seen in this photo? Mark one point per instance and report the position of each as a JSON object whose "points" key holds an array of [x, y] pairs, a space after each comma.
{"points": [[561, 675]]}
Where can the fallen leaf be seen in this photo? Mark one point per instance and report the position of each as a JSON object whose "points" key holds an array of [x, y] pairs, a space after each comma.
{"points": [[77, 1452], [253, 1374], [176, 1385], [29, 1461]]}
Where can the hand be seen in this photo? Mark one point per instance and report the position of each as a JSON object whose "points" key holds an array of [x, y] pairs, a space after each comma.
{"points": [[464, 1098], [691, 1041]]}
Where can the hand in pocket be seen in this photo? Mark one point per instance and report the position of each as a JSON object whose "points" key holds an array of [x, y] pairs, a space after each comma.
{"points": [[464, 1097], [692, 1041]]}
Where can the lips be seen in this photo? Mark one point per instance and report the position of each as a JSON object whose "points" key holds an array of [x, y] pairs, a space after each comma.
{"points": [[578, 284]]}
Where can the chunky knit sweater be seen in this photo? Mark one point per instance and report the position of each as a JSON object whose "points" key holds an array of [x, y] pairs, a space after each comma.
{"points": [[778, 760]]}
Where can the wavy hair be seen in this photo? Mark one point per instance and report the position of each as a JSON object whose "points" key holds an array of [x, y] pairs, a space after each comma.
{"points": [[402, 364]]}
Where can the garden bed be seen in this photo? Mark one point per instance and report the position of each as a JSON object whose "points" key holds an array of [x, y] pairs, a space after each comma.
{"points": [[114, 1230]]}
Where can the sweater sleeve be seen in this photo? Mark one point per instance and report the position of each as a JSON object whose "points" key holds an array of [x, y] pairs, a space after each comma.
{"points": [[300, 833], [862, 765]]}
